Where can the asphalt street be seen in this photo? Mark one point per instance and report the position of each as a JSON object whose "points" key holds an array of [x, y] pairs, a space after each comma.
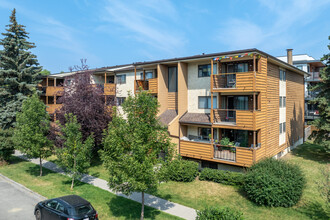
{"points": [[16, 202]]}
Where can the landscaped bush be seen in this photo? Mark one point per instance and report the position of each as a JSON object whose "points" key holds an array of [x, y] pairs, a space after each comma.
{"points": [[182, 170], [6, 144], [274, 183], [223, 213], [220, 176]]}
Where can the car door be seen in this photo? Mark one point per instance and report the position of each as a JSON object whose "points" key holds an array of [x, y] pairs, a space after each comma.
{"points": [[49, 212]]}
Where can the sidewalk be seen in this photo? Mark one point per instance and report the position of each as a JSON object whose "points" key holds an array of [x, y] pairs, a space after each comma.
{"points": [[149, 200]]}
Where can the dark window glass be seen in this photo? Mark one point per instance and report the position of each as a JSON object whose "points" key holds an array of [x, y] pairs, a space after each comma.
{"points": [[84, 209], [50, 100], [205, 70], [172, 79], [121, 79], [281, 101], [284, 127], [284, 102], [204, 133], [52, 204], [241, 102], [204, 102], [60, 207], [120, 100], [280, 128]]}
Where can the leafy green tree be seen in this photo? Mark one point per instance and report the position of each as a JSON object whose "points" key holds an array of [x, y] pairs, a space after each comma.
{"points": [[75, 155], [322, 135], [19, 71], [133, 144], [6, 144], [45, 72], [32, 128]]}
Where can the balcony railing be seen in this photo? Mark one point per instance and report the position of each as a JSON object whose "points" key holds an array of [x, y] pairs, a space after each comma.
{"points": [[225, 152], [150, 85], [314, 76], [238, 81], [224, 116]]}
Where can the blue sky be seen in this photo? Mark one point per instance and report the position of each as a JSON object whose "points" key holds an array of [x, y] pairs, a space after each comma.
{"points": [[111, 32]]}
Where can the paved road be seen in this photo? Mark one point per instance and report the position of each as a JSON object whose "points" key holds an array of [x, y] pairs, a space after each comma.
{"points": [[16, 202]]}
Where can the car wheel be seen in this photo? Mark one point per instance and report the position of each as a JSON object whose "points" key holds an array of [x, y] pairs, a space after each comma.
{"points": [[38, 215]]}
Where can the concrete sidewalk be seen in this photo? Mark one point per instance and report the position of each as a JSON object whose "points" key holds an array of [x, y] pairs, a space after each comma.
{"points": [[149, 200]]}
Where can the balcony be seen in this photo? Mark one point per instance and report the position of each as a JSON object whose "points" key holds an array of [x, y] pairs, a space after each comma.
{"points": [[110, 89], [237, 119], [51, 108], [238, 82], [54, 90], [314, 77], [225, 153], [150, 85]]}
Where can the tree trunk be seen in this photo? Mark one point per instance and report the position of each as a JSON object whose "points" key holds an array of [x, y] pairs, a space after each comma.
{"points": [[142, 210], [74, 168], [40, 162]]}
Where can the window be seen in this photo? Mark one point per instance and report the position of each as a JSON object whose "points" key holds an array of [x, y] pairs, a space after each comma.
{"points": [[110, 79], [173, 79], [281, 128], [120, 100], [204, 133], [60, 207], [284, 127], [241, 102], [282, 75], [205, 70], [51, 100], [300, 67], [282, 101], [236, 68], [52, 204], [121, 79], [148, 75], [204, 102]]}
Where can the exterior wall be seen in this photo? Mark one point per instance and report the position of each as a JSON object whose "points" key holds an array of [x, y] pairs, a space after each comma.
{"points": [[272, 146], [182, 88], [162, 87], [123, 89], [197, 86]]}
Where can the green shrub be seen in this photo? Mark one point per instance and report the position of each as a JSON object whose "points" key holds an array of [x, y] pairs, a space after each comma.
{"points": [[182, 170], [6, 144], [223, 213], [220, 176], [274, 183]]}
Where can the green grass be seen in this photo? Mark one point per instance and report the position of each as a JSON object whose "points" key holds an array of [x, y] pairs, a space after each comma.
{"points": [[108, 205], [201, 194]]}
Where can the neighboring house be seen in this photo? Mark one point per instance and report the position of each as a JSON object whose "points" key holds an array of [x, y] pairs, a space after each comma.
{"points": [[247, 97], [313, 68]]}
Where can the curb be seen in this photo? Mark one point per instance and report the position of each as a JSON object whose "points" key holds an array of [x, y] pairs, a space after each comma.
{"points": [[23, 187]]}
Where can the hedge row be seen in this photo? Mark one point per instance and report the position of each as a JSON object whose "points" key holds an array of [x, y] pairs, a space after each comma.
{"points": [[220, 176], [215, 213]]}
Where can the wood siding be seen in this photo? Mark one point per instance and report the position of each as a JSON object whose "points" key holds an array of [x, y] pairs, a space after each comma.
{"points": [[196, 150], [173, 100], [109, 89], [51, 108], [153, 85], [54, 91], [272, 145]]}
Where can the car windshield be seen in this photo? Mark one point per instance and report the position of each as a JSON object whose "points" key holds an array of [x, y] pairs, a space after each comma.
{"points": [[83, 209]]}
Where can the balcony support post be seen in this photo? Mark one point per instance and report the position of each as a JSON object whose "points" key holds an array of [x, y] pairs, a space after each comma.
{"points": [[54, 82], [254, 139], [47, 82], [134, 79], [144, 75], [105, 78]]}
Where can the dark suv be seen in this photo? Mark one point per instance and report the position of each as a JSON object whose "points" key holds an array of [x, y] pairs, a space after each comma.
{"points": [[70, 207]]}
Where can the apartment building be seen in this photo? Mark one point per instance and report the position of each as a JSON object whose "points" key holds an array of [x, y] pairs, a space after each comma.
{"points": [[313, 67], [231, 108]]}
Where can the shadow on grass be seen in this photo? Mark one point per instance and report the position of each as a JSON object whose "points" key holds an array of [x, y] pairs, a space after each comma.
{"points": [[156, 193], [75, 184], [311, 151], [15, 160], [314, 210], [35, 171], [127, 209]]}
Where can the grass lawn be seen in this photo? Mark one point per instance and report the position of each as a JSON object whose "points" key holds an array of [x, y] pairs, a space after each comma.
{"points": [[108, 205], [200, 194]]}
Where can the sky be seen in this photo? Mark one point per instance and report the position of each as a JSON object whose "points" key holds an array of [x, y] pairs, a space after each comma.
{"points": [[114, 32]]}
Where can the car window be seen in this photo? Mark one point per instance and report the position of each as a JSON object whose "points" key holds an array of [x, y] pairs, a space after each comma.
{"points": [[83, 209], [52, 204], [60, 208]]}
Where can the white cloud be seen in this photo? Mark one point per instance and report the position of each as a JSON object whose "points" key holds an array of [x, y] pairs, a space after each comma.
{"points": [[146, 22], [244, 33]]}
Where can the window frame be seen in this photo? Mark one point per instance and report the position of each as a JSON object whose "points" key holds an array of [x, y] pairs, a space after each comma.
{"points": [[121, 79], [215, 100]]}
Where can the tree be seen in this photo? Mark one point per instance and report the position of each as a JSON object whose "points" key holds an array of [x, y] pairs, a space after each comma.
{"points": [[132, 147], [6, 144], [19, 71], [87, 103], [45, 72], [322, 135], [74, 157], [32, 128]]}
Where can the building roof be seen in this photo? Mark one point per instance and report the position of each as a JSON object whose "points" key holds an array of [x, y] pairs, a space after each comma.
{"points": [[230, 53], [196, 118], [166, 117]]}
